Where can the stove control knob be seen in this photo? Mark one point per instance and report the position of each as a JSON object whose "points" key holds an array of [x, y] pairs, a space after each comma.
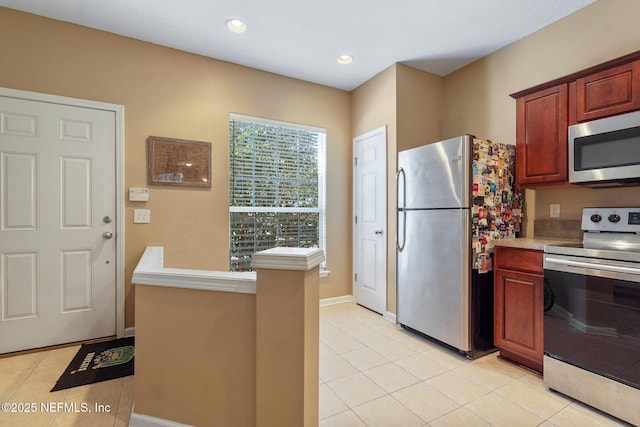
{"points": [[614, 218], [596, 218]]}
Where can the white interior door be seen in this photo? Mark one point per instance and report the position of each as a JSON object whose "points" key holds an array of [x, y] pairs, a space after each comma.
{"points": [[370, 222], [57, 223]]}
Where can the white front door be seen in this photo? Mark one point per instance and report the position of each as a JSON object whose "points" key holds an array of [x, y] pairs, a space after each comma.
{"points": [[370, 222], [57, 223]]}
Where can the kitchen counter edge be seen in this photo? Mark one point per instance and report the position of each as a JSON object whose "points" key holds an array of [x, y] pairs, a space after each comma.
{"points": [[535, 243]]}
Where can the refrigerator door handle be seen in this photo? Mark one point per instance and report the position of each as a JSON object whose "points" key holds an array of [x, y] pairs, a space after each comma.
{"points": [[399, 246]]}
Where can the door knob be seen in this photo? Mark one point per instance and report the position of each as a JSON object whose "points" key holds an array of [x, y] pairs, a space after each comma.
{"points": [[107, 235], [378, 231], [107, 219]]}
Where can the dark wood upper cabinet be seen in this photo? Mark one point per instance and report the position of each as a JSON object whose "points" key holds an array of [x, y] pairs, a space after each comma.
{"points": [[544, 112], [541, 137], [608, 92]]}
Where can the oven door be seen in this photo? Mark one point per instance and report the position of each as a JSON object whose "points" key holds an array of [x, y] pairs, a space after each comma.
{"points": [[592, 315]]}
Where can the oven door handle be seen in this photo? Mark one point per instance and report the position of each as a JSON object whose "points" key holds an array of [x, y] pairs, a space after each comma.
{"points": [[590, 265]]}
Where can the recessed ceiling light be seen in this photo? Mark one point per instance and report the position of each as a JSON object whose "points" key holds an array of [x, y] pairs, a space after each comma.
{"points": [[345, 59], [236, 25]]}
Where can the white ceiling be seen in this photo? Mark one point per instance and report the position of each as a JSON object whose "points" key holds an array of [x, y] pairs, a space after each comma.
{"points": [[302, 38]]}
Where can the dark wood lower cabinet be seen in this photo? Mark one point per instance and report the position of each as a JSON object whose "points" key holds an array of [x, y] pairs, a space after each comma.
{"points": [[518, 305]]}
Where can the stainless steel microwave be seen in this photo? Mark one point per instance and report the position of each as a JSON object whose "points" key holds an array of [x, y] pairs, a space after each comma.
{"points": [[605, 152]]}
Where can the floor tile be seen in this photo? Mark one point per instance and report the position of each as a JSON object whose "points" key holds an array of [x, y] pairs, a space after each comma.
{"points": [[459, 417], [415, 341], [343, 343], [9, 383], [538, 401], [501, 412], [422, 366], [365, 358], [343, 419], [326, 352], [425, 401], [21, 362], [364, 334], [391, 377], [38, 372], [485, 375], [579, 415], [356, 389], [335, 367], [328, 330], [447, 357], [387, 411], [458, 387], [394, 350], [500, 365], [372, 373], [329, 403]]}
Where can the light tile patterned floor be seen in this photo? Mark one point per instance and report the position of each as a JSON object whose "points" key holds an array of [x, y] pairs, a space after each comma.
{"points": [[25, 381], [374, 373]]}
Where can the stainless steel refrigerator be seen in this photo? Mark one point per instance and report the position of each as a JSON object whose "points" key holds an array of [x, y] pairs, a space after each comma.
{"points": [[454, 197]]}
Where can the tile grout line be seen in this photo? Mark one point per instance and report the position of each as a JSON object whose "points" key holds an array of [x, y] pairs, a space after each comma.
{"points": [[449, 369]]}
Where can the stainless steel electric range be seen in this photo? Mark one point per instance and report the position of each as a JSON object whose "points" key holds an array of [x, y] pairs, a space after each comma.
{"points": [[592, 313]]}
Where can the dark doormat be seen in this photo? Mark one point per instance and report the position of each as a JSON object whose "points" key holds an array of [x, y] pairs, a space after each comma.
{"points": [[98, 362]]}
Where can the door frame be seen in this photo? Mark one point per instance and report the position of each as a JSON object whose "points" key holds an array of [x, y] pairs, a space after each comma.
{"points": [[354, 197], [119, 160]]}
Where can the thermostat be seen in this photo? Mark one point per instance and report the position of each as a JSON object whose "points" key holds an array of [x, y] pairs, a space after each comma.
{"points": [[137, 194]]}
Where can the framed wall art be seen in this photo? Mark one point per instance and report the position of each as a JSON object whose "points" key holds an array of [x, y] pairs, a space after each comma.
{"points": [[178, 162]]}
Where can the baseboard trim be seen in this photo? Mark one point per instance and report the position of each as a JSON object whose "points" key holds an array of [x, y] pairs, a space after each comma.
{"points": [[336, 300], [391, 317], [140, 420]]}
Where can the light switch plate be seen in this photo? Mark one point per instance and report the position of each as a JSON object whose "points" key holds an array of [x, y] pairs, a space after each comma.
{"points": [[138, 194], [554, 210], [141, 216]]}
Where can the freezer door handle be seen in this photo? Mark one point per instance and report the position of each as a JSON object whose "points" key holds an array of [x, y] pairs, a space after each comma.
{"points": [[400, 246]]}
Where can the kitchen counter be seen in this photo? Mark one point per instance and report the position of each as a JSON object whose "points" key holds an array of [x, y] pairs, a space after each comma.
{"points": [[536, 243]]}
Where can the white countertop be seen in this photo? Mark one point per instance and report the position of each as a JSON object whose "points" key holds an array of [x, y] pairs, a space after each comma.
{"points": [[288, 258], [151, 271]]}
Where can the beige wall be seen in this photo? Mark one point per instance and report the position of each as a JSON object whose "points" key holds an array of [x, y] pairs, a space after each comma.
{"points": [[420, 105], [175, 94], [373, 105], [409, 102], [288, 345], [171, 93], [206, 357], [182, 372], [476, 100], [477, 96]]}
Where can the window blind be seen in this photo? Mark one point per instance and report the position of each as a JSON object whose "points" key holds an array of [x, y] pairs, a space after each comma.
{"points": [[276, 187]]}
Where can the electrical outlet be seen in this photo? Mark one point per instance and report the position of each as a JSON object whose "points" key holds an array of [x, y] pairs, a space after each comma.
{"points": [[554, 210], [141, 216]]}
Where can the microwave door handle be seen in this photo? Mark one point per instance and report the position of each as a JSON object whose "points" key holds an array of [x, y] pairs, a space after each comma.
{"points": [[399, 246]]}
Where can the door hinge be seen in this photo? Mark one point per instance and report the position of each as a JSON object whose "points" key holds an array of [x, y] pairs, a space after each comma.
{"points": [[356, 277], [355, 161], [356, 219]]}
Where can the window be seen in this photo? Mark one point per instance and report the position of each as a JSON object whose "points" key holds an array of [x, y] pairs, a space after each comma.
{"points": [[276, 187]]}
